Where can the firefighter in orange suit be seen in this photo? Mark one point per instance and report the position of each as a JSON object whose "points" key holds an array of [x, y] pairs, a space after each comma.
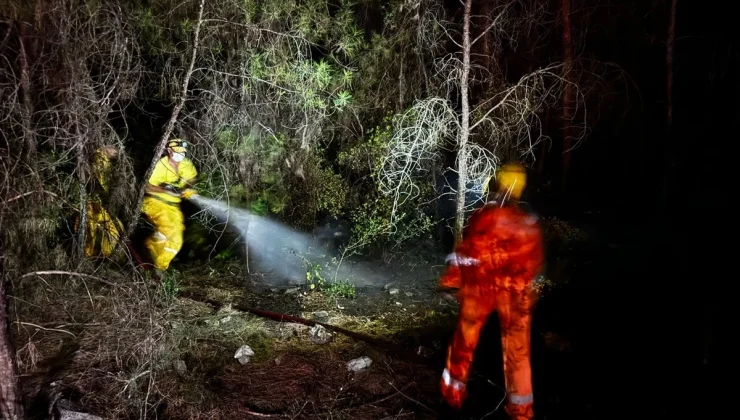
{"points": [[494, 268], [172, 180]]}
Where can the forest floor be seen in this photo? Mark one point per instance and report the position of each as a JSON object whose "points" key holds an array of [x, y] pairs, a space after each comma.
{"points": [[108, 345], [299, 372], [123, 349]]}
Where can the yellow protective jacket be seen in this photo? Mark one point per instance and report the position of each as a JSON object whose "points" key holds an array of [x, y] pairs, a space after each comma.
{"points": [[163, 211], [165, 174], [103, 230]]}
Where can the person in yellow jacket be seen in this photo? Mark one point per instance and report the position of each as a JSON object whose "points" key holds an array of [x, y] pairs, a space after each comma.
{"points": [[103, 230], [172, 180]]}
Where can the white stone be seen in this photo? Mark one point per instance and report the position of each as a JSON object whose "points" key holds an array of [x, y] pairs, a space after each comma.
{"points": [[362, 363], [243, 354]]}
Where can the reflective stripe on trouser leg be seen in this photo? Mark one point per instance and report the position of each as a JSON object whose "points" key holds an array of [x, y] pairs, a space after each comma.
{"points": [[515, 317], [520, 410], [473, 315], [520, 399], [450, 381]]}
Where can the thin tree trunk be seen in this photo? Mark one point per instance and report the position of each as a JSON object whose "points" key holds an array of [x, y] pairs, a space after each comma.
{"points": [[27, 109], [670, 42], [79, 71], [11, 397], [669, 64], [401, 85], [420, 57], [568, 91], [82, 167], [462, 153], [543, 146], [170, 126]]}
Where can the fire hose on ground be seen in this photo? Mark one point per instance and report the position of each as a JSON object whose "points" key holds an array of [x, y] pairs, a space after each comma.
{"points": [[275, 316]]}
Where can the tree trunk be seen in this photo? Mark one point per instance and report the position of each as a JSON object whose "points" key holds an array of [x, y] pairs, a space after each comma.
{"points": [[668, 156], [170, 126], [462, 151], [82, 176], [568, 91], [11, 397], [401, 85], [27, 108], [669, 64], [543, 146]]}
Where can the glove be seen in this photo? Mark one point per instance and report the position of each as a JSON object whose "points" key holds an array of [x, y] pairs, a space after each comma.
{"points": [[188, 192], [172, 190]]}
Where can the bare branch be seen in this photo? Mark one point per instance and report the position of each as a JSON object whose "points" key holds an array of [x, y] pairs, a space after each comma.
{"points": [[418, 136], [66, 273], [171, 123], [495, 22], [26, 194]]}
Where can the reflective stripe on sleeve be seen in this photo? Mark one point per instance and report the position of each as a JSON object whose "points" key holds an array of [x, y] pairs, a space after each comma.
{"points": [[457, 260]]}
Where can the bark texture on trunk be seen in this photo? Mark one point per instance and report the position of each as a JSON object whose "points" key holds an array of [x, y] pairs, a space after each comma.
{"points": [[669, 63], [11, 397], [568, 91], [82, 176], [668, 155], [462, 152], [543, 146], [27, 109]]}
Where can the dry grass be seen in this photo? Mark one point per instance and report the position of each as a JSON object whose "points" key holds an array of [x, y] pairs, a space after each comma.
{"points": [[115, 344], [105, 341]]}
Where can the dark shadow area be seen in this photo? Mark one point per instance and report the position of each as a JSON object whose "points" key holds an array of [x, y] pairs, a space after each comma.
{"points": [[619, 340]]}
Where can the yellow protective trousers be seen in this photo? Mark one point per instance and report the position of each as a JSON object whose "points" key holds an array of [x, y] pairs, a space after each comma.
{"points": [[103, 230], [169, 226]]}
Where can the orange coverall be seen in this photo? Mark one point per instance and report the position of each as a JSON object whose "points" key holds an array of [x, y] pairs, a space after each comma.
{"points": [[494, 268]]}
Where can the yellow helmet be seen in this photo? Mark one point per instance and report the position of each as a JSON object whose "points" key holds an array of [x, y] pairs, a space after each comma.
{"points": [[178, 145], [511, 179]]}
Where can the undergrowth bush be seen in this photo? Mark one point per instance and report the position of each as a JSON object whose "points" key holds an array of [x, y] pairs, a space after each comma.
{"points": [[316, 281], [372, 224]]}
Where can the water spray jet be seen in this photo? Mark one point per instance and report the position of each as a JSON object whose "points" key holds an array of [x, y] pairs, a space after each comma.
{"points": [[280, 252]]}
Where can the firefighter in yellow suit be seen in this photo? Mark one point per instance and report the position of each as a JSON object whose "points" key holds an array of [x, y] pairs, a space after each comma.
{"points": [[172, 180], [103, 230]]}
